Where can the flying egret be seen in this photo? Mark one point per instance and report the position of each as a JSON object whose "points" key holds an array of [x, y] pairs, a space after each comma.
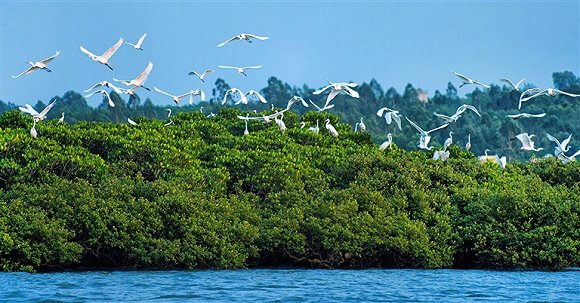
{"points": [[257, 94], [104, 93], [425, 138], [525, 115], [331, 128], [565, 159], [237, 96], [33, 132], [469, 81], [321, 109], [536, 92], [139, 81], [468, 144], [296, 99], [36, 115], [241, 70], [105, 84], [560, 147], [202, 76], [176, 99], [388, 143], [337, 88], [267, 118], [314, 129], [61, 119], [448, 141], [104, 58], [460, 110], [390, 115], [138, 44], [42, 64], [246, 37], [197, 92], [527, 143], [515, 86]]}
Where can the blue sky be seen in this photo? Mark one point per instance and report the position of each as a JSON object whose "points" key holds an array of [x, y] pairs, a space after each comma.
{"points": [[395, 42]]}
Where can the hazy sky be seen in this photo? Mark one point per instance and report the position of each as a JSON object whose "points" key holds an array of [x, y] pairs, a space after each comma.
{"points": [[395, 42]]}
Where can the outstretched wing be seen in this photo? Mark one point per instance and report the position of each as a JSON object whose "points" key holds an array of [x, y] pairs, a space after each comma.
{"points": [[397, 119], [462, 77], [227, 66], [351, 92], [29, 109], [417, 127], [255, 66], [381, 111], [482, 84], [508, 81], [47, 109], [145, 73], [318, 92], [228, 41], [439, 127], [47, 60], [465, 107], [565, 93], [165, 93], [258, 37], [138, 45], [131, 121], [26, 72], [109, 53], [89, 54]]}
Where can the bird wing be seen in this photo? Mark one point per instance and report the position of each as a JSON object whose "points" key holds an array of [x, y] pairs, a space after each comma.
{"points": [[190, 93], [465, 107], [519, 83], [397, 119], [194, 73], [538, 115], [47, 60], [565, 142], [92, 87], [258, 37], [47, 109], [351, 84], [444, 117], [202, 95], [315, 106], [165, 93], [226, 96], [145, 73], [111, 104], [131, 121], [255, 66], [331, 96], [480, 83], [381, 111], [565, 93], [227, 66], [508, 81], [89, 54], [351, 92], [29, 109], [253, 92], [303, 102], [109, 53], [26, 72], [439, 127], [423, 133], [553, 139], [318, 92], [89, 95], [229, 40], [462, 77], [388, 118], [138, 45], [516, 116], [207, 71]]}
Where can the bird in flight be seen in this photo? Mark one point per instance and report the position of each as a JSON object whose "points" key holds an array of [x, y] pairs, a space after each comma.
{"points": [[104, 58], [527, 143], [139, 81], [526, 115], [246, 37], [138, 45], [469, 81], [390, 115], [104, 93], [36, 115], [42, 64], [202, 75], [241, 70], [425, 138], [514, 86], [337, 88], [460, 110]]}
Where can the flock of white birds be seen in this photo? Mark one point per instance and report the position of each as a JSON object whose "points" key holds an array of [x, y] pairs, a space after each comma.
{"points": [[333, 89]]}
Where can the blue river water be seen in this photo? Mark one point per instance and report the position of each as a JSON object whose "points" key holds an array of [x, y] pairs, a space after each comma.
{"points": [[293, 285]]}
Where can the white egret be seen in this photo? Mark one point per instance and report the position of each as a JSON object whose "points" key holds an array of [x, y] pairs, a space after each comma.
{"points": [[241, 70], [246, 132], [104, 93], [441, 155], [337, 88], [331, 128], [61, 119], [296, 99], [42, 64], [527, 143], [388, 143], [390, 115], [460, 110], [525, 115], [314, 129], [466, 80], [104, 58], [468, 144], [280, 123], [139, 42], [267, 118], [565, 159], [302, 124], [246, 37], [362, 126], [202, 75], [237, 96], [425, 138], [176, 99], [533, 92], [105, 84], [257, 94], [33, 132], [197, 92], [448, 141], [527, 95], [515, 86], [323, 108], [36, 115], [139, 81], [560, 147]]}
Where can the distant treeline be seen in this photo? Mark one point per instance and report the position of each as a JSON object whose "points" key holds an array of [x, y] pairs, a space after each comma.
{"points": [[200, 194]]}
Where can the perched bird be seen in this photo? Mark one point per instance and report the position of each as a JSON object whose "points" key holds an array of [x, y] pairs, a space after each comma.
{"points": [[33, 132], [280, 123], [105, 84], [323, 108], [246, 132], [390, 115], [536, 92], [331, 128], [388, 143], [560, 147], [469, 81], [42, 64], [246, 37], [36, 115], [337, 88], [139, 42], [468, 144], [460, 110], [314, 129], [61, 119], [441, 155], [139, 81], [448, 141], [104, 58], [425, 138], [241, 70], [104, 93], [524, 115], [237, 95], [515, 86], [527, 143], [202, 76], [362, 126], [251, 93], [296, 99]]}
